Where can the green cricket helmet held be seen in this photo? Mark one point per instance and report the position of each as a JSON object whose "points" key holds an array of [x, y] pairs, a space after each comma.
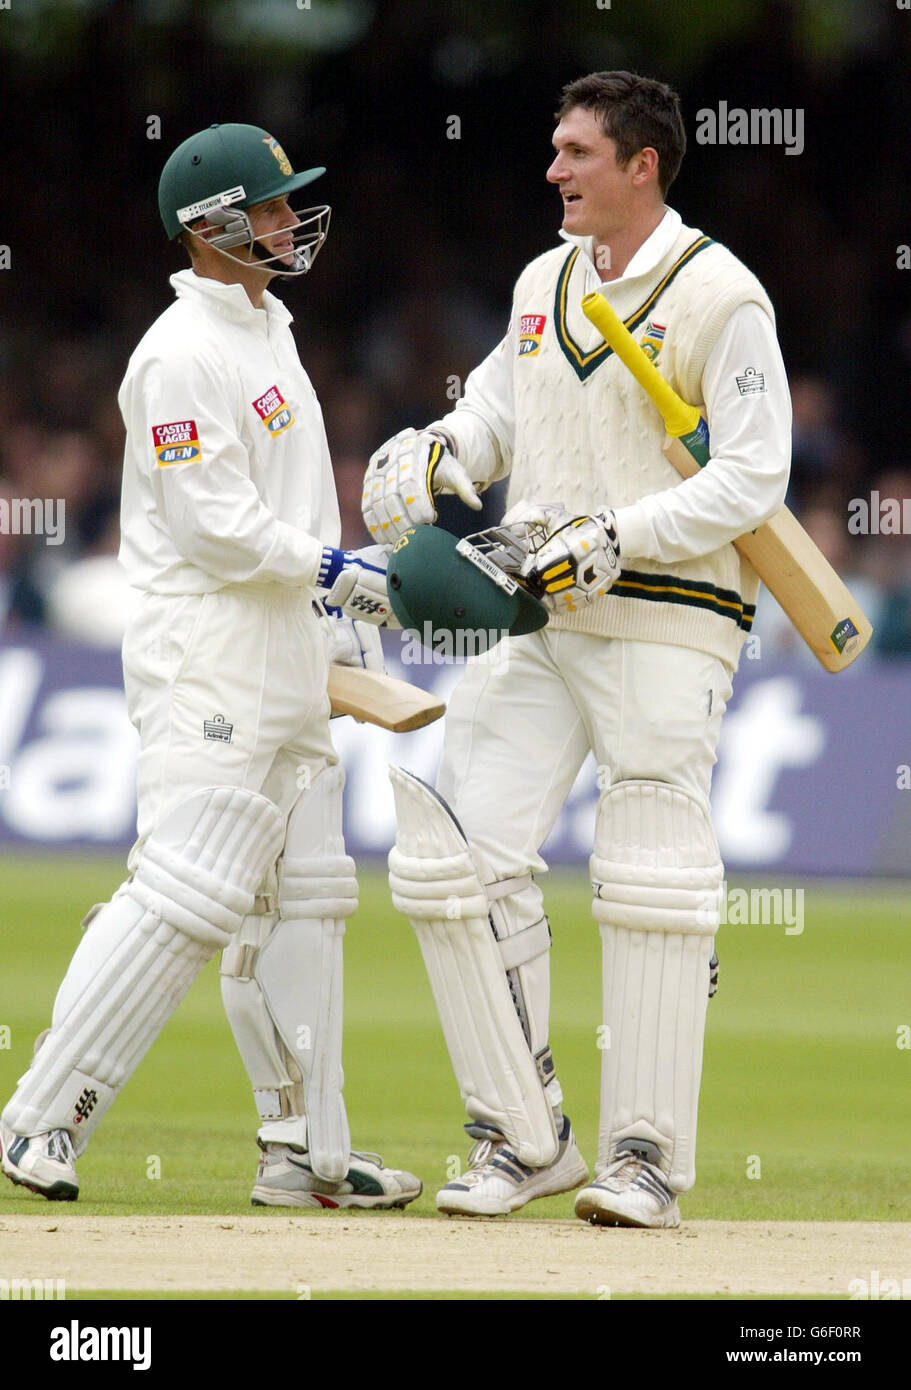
{"points": [[220, 172], [439, 583]]}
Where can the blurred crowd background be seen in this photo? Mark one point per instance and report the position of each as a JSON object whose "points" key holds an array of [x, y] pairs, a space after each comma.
{"points": [[429, 232]]}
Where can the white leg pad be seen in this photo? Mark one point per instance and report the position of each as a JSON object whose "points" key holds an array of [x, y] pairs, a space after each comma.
{"points": [[195, 880], [283, 988], [437, 880], [657, 876], [277, 1081]]}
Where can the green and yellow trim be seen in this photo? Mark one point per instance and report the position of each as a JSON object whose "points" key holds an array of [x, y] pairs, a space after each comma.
{"points": [[584, 363], [691, 593]]}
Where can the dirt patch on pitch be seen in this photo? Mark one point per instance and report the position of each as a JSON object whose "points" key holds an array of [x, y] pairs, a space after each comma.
{"points": [[375, 1252]]}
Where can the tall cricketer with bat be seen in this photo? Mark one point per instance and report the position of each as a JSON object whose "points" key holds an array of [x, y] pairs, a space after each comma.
{"points": [[650, 602], [230, 528]]}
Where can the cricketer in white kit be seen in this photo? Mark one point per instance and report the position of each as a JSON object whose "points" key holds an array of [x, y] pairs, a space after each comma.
{"points": [[230, 528], [650, 602]]}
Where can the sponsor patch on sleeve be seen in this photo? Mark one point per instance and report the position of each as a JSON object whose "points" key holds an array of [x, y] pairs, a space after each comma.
{"points": [[272, 409], [531, 326], [177, 442]]}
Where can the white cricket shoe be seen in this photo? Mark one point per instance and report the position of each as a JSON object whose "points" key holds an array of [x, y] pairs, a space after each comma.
{"points": [[497, 1183], [630, 1192], [285, 1179], [41, 1162]]}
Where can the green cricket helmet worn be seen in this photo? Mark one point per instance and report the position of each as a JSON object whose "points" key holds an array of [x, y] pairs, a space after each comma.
{"points": [[220, 172], [438, 583]]}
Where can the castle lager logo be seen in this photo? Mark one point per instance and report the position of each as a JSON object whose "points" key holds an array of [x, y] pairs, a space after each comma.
{"points": [[177, 442], [272, 409], [531, 326]]}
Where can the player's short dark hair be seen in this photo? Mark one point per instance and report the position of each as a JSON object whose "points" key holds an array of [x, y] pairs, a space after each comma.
{"points": [[634, 112]]}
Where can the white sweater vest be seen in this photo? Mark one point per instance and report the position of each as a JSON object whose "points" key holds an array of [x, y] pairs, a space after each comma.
{"points": [[587, 435]]}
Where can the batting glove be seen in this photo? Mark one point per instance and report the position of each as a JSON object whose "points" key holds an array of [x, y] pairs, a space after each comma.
{"points": [[577, 563], [355, 582], [351, 642], [549, 515], [402, 479]]}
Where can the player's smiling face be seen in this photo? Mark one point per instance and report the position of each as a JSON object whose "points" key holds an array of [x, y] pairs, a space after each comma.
{"points": [[274, 224], [596, 190]]}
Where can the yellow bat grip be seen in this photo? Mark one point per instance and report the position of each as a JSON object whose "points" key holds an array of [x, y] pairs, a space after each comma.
{"points": [[679, 417]]}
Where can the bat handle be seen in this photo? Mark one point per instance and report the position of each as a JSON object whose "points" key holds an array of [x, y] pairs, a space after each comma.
{"points": [[679, 416]]}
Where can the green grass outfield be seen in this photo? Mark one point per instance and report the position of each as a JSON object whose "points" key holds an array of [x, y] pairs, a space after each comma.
{"points": [[803, 1071]]}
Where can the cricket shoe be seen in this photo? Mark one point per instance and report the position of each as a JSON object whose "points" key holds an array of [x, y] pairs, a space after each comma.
{"points": [[285, 1179], [497, 1183], [630, 1192], [41, 1162]]}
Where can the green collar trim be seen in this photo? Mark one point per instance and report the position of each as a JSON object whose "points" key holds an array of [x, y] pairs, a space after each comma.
{"points": [[584, 363]]}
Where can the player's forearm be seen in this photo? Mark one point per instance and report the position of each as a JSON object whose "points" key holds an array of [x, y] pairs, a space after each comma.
{"points": [[748, 407], [700, 514], [482, 425], [478, 444], [238, 544]]}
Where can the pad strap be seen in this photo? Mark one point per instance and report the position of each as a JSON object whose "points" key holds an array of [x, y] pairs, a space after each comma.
{"points": [[526, 945]]}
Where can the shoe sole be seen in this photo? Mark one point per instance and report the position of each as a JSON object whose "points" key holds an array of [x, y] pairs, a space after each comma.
{"points": [[59, 1191], [266, 1197], [587, 1209], [452, 1206]]}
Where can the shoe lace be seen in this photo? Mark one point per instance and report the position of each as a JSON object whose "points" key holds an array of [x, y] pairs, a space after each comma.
{"points": [[368, 1157], [60, 1146], [625, 1169], [483, 1152]]}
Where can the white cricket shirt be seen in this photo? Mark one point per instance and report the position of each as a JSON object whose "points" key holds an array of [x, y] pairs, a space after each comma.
{"points": [[227, 477]]}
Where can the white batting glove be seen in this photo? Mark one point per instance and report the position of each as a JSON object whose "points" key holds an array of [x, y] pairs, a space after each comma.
{"points": [[402, 479], [355, 582], [550, 515], [353, 643], [576, 564]]}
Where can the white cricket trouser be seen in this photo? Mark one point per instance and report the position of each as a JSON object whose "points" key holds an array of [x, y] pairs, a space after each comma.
{"points": [[517, 734], [226, 689], [519, 730]]}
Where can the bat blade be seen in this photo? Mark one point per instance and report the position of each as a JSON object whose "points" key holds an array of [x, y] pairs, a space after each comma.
{"points": [[789, 563], [384, 700], [795, 571]]}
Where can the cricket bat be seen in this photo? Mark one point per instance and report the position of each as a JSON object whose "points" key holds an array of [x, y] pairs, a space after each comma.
{"points": [[790, 564], [375, 698]]}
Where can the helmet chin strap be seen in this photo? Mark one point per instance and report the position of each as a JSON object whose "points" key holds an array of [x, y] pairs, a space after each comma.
{"points": [[300, 261]]}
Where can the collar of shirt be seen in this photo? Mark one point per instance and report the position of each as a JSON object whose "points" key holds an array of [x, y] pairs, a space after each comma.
{"points": [[653, 249], [231, 301]]}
